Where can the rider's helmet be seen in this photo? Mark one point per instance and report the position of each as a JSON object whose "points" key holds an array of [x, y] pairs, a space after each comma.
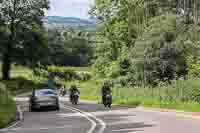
{"points": [[106, 84], [73, 86]]}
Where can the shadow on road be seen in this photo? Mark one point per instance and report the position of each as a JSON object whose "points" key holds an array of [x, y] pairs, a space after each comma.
{"points": [[47, 109], [92, 107]]}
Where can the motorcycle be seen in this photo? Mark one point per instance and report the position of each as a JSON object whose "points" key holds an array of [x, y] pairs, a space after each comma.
{"points": [[107, 100], [75, 98]]}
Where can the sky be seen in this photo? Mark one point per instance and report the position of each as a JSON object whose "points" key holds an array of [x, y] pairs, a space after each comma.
{"points": [[70, 8]]}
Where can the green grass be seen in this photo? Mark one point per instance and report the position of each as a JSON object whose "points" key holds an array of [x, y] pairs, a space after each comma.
{"points": [[90, 90], [168, 97], [19, 85], [7, 111], [22, 81]]}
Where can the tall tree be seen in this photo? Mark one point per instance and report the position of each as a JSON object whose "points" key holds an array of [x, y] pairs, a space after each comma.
{"points": [[19, 16]]}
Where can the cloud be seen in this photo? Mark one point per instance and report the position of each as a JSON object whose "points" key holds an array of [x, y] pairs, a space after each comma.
{"points": [[70, 8]]}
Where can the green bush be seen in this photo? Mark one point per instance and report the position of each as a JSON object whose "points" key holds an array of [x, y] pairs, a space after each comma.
{"points": [[40, 72], [113, 70], [100, 66], [62, 72], [161, 51], [122, 80], [193, 67], [68, 73], [189, 90], [82, 76]]}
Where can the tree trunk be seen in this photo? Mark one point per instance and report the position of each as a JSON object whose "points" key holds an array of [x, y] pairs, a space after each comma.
{"points": [[6, 67]]}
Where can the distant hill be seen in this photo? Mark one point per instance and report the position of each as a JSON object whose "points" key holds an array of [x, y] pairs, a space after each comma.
{"points": [[66, 23]]}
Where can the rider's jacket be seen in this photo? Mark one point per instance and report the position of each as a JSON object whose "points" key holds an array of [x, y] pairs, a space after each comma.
{"points": [[73, 91], [105, 90]]}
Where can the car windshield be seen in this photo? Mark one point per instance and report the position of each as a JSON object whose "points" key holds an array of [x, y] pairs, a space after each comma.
{"points": [[45, 92]]}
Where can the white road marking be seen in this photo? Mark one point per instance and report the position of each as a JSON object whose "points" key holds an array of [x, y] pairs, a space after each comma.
{"points": [[83, 115], [102, 123], [126, 130]]}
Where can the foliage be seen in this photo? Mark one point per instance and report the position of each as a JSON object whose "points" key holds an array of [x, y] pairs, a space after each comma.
{"points": [[22, 22], [66, 73], [40, 72], [153, 37], [113, 70], [100, 65], [194, 67], [69, 48], [163, 50]]}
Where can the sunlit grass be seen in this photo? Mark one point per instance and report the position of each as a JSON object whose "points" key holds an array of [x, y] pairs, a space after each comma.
{"points": [[7, 110]]}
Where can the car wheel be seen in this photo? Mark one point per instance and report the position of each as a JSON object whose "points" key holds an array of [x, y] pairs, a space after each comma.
{"points": [[57, 107], [31, 109]]}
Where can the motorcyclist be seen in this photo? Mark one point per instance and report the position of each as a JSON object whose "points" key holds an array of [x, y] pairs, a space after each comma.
{"points": [[62, 90], [105, 90], [73, 89]]}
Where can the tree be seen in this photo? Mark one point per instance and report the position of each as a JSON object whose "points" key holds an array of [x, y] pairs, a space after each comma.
{"points": [[113, 14], [19, 16], [135, 35], [69, 48], [163, 49]]}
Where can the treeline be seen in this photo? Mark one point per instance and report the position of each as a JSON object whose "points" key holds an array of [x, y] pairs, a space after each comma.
{"points": [[70, 48], [148, 41], [24, 40]]}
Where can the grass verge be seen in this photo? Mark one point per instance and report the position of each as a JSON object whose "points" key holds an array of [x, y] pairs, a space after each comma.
{"points": [[7, 111], [168, 97]]}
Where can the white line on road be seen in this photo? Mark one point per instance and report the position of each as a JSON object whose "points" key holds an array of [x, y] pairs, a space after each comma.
{"points": [[127, 130], [102, 123], [83, 115]]}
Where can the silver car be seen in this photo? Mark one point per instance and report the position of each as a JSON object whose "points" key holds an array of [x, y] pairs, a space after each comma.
{"points": [[44, 98]]}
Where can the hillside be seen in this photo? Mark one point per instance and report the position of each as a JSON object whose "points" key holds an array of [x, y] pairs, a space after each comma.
{"points": [[66, 23]]}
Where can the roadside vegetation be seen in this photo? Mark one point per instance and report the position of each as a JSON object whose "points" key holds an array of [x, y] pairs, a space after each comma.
{"points": [[7, 107], [181, 95]]}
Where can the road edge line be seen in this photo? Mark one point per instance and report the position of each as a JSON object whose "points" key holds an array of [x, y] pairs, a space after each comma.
{"points": [[94, 124], [102, 123]]}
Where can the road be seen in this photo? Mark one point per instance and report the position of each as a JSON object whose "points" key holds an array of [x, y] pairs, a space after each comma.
{"points": [[93, 118]]}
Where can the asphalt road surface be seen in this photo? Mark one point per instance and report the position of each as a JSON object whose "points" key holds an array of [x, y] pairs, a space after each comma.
{"points": [[93, 118]]}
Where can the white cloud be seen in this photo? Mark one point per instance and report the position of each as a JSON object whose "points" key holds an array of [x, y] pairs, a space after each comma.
{"points": [[70, 8]]}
